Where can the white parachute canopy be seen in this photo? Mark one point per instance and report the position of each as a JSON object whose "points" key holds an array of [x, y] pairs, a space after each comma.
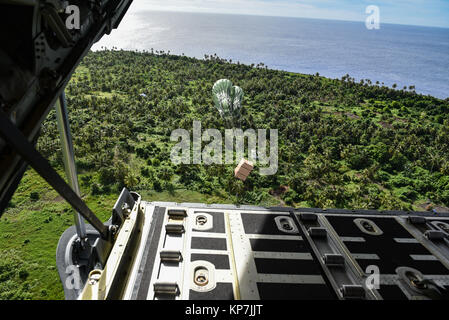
{"points": [[228, 100]]}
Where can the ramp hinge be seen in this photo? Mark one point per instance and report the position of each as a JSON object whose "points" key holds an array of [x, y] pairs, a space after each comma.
{"points": [[317, 232], [417, 220], [435, 235], [334, 260], [174, 228], [166, 289], [352, 291], [177, 214], [171, 256]]}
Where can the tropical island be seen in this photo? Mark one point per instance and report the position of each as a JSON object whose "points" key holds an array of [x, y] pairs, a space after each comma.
{"points": [[342, 144]]}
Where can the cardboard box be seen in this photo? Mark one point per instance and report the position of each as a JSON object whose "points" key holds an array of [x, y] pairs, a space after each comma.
{"points": [[243, 170]]}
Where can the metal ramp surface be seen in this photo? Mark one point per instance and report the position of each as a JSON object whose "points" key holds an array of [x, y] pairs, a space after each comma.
{"points": [[201, 252]]}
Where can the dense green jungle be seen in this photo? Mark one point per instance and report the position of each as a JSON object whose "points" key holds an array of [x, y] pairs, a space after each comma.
{"points": [[342, 144]]}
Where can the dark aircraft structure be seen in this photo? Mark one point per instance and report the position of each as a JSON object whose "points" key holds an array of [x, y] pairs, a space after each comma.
{"points": [[160, 250]]}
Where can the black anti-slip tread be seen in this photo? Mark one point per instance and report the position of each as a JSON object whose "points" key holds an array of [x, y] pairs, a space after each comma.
{"points": [[346, 227], [220, 261], [223, 291], [140, 291], [273, 245], [208, 243], [261, 224], [286, 266], [293, 291], [391, 253], [391, 292]]}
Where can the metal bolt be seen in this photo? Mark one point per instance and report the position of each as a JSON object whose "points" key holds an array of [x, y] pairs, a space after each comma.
{"points": [[201, 277], [201, 220]]}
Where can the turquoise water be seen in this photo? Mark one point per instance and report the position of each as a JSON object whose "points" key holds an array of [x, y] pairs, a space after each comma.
{"points": [[405, 55]]}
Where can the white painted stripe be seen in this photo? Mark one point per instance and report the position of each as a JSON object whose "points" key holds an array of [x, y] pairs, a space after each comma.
{"points": [[273, 237], [352, 239], [224, 276], [196, 234], [245, 265], [207, 251], [423, 257], [365, 256], [406, 240], [283, 255], [392, 279], [264, 212], [291, 278]]}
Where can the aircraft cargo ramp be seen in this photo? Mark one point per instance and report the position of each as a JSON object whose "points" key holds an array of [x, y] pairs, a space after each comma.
{"points": [[222, 252]]}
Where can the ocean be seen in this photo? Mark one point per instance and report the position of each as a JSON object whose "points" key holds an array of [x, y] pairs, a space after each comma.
{"points": [[394, 54]]}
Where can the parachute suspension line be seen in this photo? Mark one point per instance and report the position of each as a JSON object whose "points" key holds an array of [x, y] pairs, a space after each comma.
{"points": [[15, 138], [65, 135]]}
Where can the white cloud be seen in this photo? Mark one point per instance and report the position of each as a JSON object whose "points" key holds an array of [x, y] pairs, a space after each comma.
{"points": [[254, 7], [414, 12]]}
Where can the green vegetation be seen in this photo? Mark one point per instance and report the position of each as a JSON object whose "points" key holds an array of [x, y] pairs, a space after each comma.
{"points": [[342, 144]]}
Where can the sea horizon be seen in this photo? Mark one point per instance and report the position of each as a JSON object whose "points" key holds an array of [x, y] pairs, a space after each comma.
{"points": [[293, 17], [404, 55]]}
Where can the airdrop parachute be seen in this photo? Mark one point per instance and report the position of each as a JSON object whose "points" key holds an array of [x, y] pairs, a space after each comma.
{"points": [[228, 100]]}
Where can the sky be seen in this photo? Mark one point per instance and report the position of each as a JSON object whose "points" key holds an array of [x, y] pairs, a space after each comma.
{"points": [[433, 13]]}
